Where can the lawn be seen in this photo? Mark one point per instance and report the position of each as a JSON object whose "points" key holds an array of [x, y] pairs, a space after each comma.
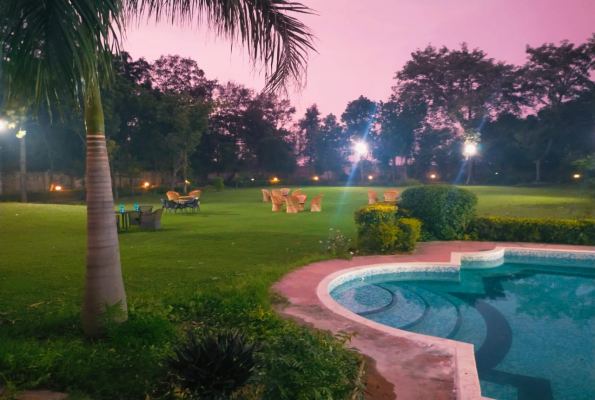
{"points": [[205, 271]]}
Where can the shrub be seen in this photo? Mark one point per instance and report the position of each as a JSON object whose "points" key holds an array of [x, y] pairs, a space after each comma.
{"points": [[338, 245], [381, 231], [218, 183], [445, 211], [214, 367], [561, 231]]}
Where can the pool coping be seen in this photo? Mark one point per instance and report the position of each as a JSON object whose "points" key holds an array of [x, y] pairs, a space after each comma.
{"points": [[462, 368]]}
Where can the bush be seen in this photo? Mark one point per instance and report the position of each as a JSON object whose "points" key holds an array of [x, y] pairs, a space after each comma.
{"points": [[218, 183], [381, 231], [214, 367], [561, 231], [445, 211]]}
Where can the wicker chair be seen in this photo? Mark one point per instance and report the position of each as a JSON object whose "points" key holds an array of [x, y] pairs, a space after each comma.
{"points": [[195, 194], [135, 216], [296, 192], [285, 191], [151, 221], [391, 195], [266, 195], [277, 192], [372, 197], [170, 205], [277, 203], [145, 209], [193, 204], [171, 195], [302, 202], [292, 204], [315, 205]]}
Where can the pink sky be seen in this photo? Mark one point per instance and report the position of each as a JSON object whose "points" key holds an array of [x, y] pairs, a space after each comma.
{"points": [[362, 43]]}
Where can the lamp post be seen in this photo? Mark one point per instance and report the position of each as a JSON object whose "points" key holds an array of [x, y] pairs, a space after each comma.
{"points": [[3, 126], [23, 165], [469, 150], [361, 148]]}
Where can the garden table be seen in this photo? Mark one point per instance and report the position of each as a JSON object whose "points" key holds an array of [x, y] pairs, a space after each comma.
{"points": [[124, 216]]}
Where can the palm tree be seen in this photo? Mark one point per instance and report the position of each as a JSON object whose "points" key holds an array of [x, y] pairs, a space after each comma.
{"points": [[58, 51]]}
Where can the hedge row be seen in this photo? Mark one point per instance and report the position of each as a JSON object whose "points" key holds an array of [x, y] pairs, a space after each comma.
{"points": [[560, 231], [381, 231]]}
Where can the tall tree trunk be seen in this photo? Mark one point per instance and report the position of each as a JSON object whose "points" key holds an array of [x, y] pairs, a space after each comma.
{"points": [[103, 278], [23, 165], [404, 174], [471, 171], [114, 184], [185, 168], [538, 171]]}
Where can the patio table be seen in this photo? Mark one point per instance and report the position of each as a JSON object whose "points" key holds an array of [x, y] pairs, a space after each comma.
{"points": [[124, 217]]}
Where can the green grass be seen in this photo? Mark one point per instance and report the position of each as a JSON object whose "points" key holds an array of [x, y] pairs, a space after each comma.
{"points": [[206, 271]]}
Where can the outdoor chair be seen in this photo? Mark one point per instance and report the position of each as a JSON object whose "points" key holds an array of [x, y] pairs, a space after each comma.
{"points": [[296, 192], [277, 203], [151, 221], [372, 197], [292, 204], [277, 192], [171, 195], [266, 195], [391, 195], [193, 204], [135, 216], [195, 194], [315, 205], [171, 205], [285, 191], [301, 202]]}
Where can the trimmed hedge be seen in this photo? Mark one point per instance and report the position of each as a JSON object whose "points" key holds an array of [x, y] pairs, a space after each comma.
{"points": [[560, 231], [445, 211], [381, 231]]}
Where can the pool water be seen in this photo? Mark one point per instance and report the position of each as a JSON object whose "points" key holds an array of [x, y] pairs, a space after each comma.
{"points": [[532, 326]]}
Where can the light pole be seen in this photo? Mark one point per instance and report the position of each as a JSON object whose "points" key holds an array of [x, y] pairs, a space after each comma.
{"points": [[3, 126], [361, 148], [23, 165], [469, 151]]}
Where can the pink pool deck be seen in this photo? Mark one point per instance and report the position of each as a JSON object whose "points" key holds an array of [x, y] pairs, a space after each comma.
{"points": [[420, 367]]}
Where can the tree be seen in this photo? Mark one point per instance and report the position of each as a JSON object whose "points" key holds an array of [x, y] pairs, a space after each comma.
{"points": [[555, 75], [308, 130], [178, 75], [331, 147], [53, 50]]}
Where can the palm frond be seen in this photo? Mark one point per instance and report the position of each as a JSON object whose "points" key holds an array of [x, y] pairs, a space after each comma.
{"points": [[268, 29], [50, 47]]}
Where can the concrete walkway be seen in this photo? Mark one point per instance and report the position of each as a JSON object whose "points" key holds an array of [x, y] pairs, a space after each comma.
{"points": [[418, 370]]}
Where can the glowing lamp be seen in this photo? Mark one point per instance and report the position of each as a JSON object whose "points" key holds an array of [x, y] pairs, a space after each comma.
{"points": [[275, 179], [3, 124], [315, 178], [370, 177], [146, 184], [21, 134], [58, 188], [576, 176], [470, 149], [187, 182], [252, 179], [495, 173], [433, 176], [361, 148]]}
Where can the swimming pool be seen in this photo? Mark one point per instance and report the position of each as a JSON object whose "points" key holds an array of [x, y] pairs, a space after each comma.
{"points": [[530, 317]]}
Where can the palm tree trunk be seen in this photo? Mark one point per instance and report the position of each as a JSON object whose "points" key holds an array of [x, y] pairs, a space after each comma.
{"points": [[103, 279]]}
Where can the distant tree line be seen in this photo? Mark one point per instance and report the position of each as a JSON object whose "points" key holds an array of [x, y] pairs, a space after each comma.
{"points": [[534, 122]]}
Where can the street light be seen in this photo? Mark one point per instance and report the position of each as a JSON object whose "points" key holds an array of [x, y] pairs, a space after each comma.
{"points": [[470, 149], [361, 148], [576, 176]]}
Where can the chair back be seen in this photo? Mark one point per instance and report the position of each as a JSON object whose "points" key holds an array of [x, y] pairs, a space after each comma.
{"points": [[277, 192], [171, 205], [163, 203], [157, 214], [285, 191], [391, 195], [296, 192], [145, 209], [302, 198], [195, 194], [372, 197], [266, 195], [171, 195], [315, 204], [292, 204], [192, 203], [277, 200]]}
